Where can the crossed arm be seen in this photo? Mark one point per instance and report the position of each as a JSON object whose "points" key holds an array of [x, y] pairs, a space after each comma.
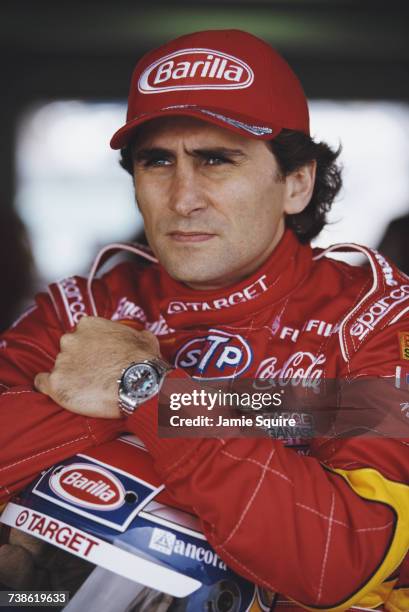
{"points": [[288, 522]]}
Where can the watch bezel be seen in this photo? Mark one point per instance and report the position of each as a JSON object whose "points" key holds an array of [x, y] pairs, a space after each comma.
{"points": [[158, 367]]}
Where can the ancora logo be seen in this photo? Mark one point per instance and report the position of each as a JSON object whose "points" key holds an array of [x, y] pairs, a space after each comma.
{"points": [[168, 544]]}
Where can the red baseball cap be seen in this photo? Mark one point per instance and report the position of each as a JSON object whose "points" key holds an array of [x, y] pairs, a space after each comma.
{"points": [[227, 77]]}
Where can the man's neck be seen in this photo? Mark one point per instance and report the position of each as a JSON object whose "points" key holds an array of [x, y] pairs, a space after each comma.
{"points": [[236, 276]]}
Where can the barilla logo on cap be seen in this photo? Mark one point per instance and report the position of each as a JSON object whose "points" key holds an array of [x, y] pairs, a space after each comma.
{"points": [[88, 486], [196, 69]]}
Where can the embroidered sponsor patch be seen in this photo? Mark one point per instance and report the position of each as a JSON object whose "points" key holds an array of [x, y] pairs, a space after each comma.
{"points": [[88, 486], [248, 293], [94, 490], [73, 300], [219, 354], [404, 345], [129, 313]]}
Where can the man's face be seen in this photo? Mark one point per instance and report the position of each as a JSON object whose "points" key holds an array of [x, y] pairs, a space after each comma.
{"points": [[212, 200]]}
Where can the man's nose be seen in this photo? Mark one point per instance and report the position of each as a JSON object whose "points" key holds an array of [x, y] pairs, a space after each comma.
{"points": [[186, 195]]}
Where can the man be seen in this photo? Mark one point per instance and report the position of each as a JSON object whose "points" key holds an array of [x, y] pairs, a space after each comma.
{"points": [[231, 188]]}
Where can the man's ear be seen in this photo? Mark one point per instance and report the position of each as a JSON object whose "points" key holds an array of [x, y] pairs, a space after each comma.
{"points": [[299, 188]]}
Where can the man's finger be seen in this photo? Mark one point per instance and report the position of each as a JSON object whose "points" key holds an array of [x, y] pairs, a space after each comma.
{"points": [[41, 382]]}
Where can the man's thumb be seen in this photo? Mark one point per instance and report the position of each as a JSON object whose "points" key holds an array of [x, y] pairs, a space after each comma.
{"points": [[41, 382]]}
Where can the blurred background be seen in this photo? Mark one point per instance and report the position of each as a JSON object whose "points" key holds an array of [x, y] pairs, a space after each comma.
{"points": [[65, 70]]}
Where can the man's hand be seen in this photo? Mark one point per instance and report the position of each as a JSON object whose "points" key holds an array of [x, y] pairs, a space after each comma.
{"points": [[91, 359]]}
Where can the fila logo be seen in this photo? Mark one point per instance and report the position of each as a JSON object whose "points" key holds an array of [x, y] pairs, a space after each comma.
{"points": [[199, 69]]}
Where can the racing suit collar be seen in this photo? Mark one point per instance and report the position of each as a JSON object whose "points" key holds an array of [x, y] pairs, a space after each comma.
{"points": [[273, 282]]}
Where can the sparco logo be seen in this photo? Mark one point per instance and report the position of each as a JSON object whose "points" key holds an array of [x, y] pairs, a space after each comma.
{"points": [[199, 69], [73, 300], [301, 368], [167, 543], [88, 486], [379, 309]]}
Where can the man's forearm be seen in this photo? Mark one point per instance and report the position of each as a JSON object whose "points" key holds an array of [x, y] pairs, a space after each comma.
{"points": [[280, 519], [24, 453]]}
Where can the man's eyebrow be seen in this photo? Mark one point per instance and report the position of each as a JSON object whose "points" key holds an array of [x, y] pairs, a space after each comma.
{"points": [[150, 152], [215, 151], [147, 153]]}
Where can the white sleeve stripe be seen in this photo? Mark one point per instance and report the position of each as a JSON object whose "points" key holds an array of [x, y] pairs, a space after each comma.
{"points": [[368, 253]]}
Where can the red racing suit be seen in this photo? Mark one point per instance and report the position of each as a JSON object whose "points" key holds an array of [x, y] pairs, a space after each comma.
{"points": [[328, 526]]}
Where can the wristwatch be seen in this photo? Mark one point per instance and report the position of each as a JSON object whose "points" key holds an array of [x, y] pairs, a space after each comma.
{"points": [[139, 382]]}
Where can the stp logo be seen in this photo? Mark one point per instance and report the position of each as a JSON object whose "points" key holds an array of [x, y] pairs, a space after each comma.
{"points": [[218, 355], [199, 69], [88, 486]]}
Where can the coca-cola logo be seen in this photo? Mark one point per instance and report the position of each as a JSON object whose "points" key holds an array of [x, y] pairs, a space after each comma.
{"points": [[88, 486], [301, 368], [195, 69]]}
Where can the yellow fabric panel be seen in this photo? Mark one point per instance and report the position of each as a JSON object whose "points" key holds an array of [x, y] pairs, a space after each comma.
{"points": [[378, 596], [370, 484], [398, 601]]}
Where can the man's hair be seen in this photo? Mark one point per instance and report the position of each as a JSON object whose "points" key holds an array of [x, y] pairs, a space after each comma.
{"points": [[293, 150]]}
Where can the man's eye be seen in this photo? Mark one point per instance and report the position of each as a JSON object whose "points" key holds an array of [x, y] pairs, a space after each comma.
{"points": [[157, 162], [217, 161]]}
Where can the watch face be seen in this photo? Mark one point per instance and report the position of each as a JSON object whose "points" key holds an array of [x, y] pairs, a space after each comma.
{"points": [[140, 382]]}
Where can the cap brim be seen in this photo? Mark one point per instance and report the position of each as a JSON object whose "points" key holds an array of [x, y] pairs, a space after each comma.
{"points": [[246, 126]]}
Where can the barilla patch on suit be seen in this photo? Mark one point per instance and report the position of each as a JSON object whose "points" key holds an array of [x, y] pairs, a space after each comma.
{"points": [[88, 486], [107, 495]]}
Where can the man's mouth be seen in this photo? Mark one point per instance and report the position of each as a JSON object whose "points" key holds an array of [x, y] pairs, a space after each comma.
{"points": [[190, 236]]}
